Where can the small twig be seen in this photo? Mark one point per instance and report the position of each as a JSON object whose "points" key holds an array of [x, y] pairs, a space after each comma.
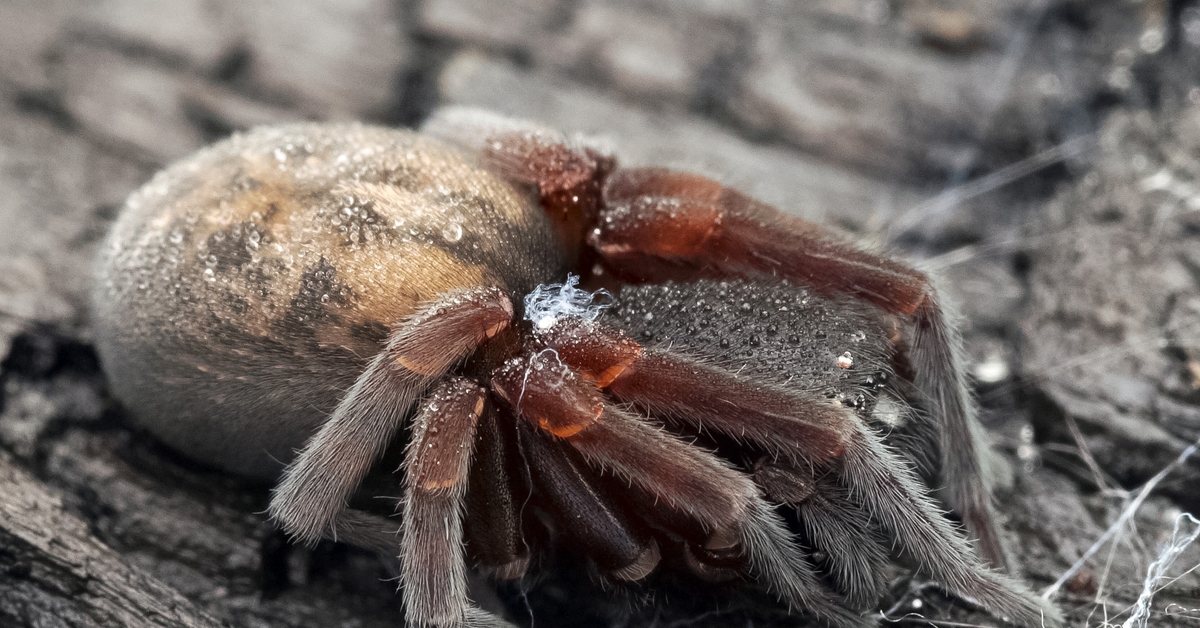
{"points": [[1126, 515], [1112, 553], [914, 590]]}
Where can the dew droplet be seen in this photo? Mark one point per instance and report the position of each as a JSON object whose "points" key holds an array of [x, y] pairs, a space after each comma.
{"points": [[452, 233]]}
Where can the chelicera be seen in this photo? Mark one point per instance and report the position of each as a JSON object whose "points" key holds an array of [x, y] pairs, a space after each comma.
{"points": [[740, 402]]}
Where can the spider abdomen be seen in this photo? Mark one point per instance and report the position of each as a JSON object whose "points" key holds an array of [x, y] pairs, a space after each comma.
{"points": [[242, 290]]}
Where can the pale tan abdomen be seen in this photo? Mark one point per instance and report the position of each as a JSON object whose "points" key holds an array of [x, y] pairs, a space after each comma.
{"points": [[241, 290]]}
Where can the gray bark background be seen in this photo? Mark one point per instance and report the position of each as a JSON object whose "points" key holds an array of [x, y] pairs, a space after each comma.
{"points": [[1040, 154]]}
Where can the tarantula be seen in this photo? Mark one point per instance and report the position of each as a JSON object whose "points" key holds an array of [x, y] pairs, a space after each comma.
{"points": [[316, 294]]}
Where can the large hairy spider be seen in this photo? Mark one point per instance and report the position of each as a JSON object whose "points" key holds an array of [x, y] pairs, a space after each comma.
{"points": [[336, 290]]}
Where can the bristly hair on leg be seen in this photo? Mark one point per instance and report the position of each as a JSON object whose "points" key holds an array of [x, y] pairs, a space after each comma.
{"points": [[433, 572], [841, 529], [778, 562], [888, 488], [940, 375]]}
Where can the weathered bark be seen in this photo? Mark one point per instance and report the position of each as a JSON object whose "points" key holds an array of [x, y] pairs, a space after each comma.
{"points": [[55, 572]]}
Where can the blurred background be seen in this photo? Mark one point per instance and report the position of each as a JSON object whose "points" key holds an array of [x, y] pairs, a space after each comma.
{"points": [[1038, 155]]}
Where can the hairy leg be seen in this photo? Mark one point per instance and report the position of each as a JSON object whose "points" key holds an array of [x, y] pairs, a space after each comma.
{"points": [[312, 494], [496, 495], [855, 556], [555, 399], [433, 571], [583, 514], [659, 224], [888, 489], [688, 391]]}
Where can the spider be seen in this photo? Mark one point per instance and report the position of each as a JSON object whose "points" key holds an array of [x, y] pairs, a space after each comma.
{"points": [[295, 301]]}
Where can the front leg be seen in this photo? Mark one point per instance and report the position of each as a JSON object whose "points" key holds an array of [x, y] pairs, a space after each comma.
{"points": [[660, 225], [312, 495], [433, 572]]}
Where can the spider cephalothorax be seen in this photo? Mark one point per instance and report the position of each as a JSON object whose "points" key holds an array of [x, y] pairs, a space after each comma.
{"points": [[332, 289]]}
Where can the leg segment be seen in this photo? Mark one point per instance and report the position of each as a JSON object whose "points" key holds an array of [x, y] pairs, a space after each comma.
{"points": [[550, 396], [496, 494], [855, 558], [586, 517], [688, 391], [888, 489], [658, 224], [312, 494], [433, 573]]}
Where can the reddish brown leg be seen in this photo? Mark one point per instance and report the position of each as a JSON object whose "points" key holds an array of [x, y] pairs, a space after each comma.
{"points": [[312, 495], [658, 224], [876, 478], [567, 176], [433, 573], [544, 391], [554, 398], [687, 391]]}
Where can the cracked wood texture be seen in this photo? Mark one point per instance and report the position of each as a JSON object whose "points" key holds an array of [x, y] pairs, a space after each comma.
{"points": [[1039, 155], [56, 568]]}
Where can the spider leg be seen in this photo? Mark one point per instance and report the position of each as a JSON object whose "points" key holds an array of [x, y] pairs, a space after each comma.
{"points": [[686, 390], [368, 531], [659, 224], [496, 492], [835, 526], [433, 571], [887, 487], [312, 494], [587, 519], [683, 390], [560, 402]]}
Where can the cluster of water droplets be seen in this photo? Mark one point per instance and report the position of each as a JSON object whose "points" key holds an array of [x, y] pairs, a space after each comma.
{"points": [[779, 332]]}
